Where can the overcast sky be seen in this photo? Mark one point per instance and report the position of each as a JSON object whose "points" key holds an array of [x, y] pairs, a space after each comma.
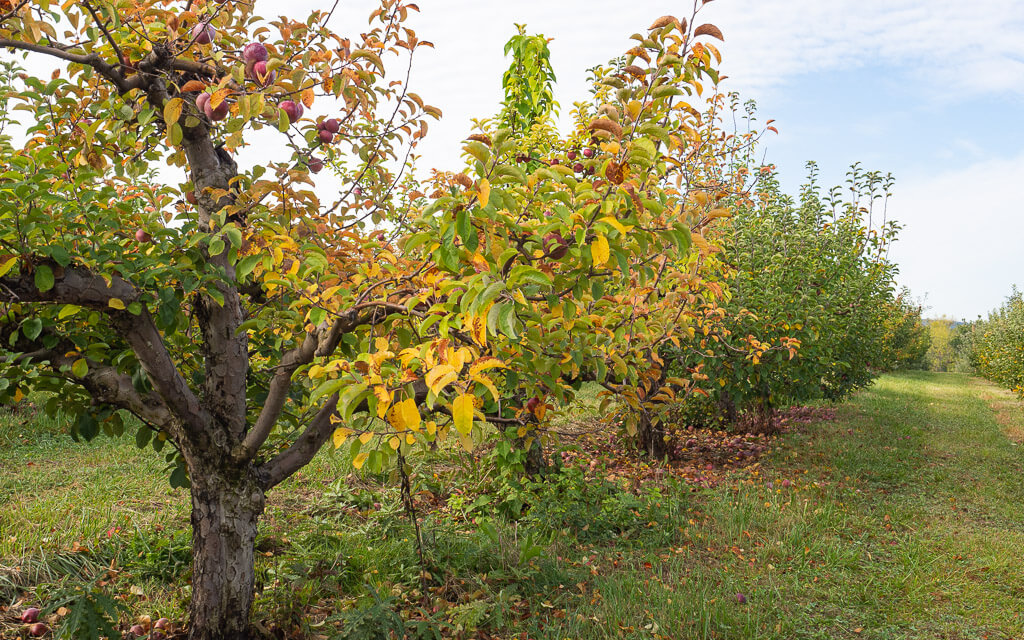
{"points": [[930, 90]]}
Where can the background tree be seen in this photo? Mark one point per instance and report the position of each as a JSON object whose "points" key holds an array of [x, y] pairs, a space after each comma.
{"points": [[994, 346], [941, 352], [805, 306]]}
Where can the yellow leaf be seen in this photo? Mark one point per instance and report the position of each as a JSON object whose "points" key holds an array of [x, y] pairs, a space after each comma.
{"points": [[394, 442], [7, 266], [462, 413], [487, 384], [600, 251], [484, 364], [440, 377], [365, 437], [219, 96], [485, 192], [18, 395], [410, 414], [383, 399], [316, 371], [341, 434], [116, 303], [172, 110], [360, 459], [616, 224]]}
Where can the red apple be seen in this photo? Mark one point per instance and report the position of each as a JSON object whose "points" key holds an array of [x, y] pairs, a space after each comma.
{"points": [[38, 629], [254, 52], [191, 197], [331, 125], [292, 109], [326, 136], [578, 167], [571, 155], [740, 598], [142, 235], [219, 113], [30, 615], [202, 100], [786, 484], [315, 164], [588, 153], [357, 191], [260, 74], [203, 33], [162, 623], [137, 630]]}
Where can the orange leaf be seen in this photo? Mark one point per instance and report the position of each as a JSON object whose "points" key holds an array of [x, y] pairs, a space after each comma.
{"points": [[193, 85], [709, 30]]}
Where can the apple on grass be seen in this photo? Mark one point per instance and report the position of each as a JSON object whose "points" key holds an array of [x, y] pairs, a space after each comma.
{"points": [[30, 615]]}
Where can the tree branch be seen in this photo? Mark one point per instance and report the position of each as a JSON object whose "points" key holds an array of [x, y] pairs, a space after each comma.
{"points": [[79, 286], [103, 382], [319, 343], [90, 60], [316, 434], [302, 450]]}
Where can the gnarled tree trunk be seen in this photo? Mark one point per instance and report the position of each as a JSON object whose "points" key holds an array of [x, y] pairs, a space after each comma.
{"points": [[225, 511], [651, 437]]}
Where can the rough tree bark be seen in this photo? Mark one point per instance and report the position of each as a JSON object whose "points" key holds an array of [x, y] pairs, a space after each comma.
{"points": [[651, 437], [225, 512]]}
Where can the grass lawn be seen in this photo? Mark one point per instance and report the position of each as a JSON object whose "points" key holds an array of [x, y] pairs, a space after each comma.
{"points": [[902, 518]]}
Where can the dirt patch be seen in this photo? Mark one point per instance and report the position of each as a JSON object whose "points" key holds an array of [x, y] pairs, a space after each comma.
{"points": [[1007, 409]]}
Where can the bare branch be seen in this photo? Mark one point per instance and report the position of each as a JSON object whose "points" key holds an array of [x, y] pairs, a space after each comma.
{"points": [[90, 60]]}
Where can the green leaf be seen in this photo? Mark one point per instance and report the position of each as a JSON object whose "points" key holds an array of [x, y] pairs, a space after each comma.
{"points": [[80, 368], [44, 278], [32, 328], [246, 265]]}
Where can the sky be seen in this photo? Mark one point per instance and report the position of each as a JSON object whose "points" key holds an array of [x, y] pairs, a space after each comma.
{"points": [[929, 90]]}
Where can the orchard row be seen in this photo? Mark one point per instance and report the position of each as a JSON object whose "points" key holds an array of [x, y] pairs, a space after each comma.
{"points": [[246, 323]]}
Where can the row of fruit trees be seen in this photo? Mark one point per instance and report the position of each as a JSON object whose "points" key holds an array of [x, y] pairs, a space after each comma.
{"points": [[244, 321]]}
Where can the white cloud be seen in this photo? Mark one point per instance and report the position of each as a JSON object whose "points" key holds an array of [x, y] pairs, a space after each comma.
{"points": [[961, 241], [955, 46]]}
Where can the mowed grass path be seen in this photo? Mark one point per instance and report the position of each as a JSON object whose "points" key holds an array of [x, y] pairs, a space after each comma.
{"points": [[904, 518]]}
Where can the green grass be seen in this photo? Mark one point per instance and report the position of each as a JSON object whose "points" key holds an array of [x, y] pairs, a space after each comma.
{"points": [[904, 519]]}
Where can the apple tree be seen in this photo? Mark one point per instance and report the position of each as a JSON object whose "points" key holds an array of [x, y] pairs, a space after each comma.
{"points": [[147, 268]]}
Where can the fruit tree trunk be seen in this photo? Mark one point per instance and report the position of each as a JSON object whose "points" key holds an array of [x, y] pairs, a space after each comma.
{"points": [[225, 511], [651, 437]]}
